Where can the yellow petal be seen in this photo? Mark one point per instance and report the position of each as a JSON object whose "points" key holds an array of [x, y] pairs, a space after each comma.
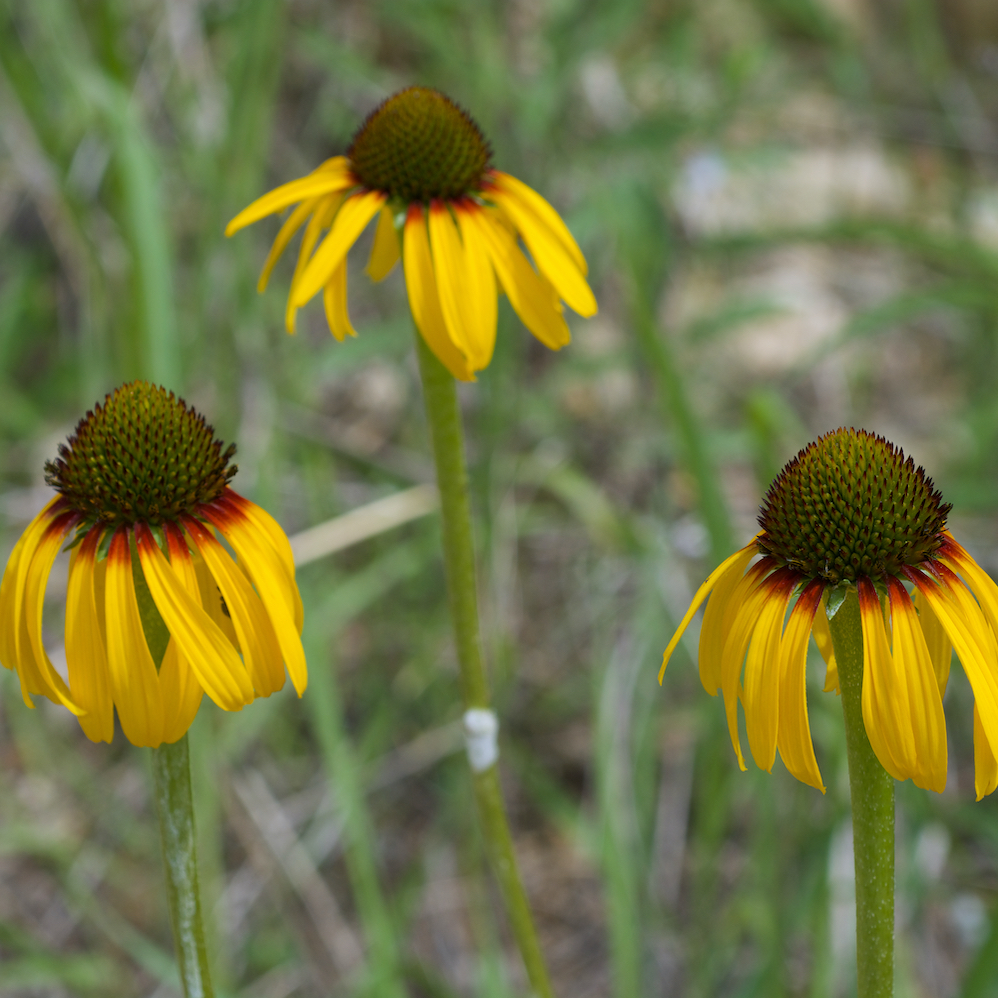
{"points": [[924, 723], [733, 563], [794, 737], [747, 601], [533, 202], [212, 602], [86, 657], [258, 559], [181, 693], [350, 222], [35, 580], [292, 224], [717, 619], [323, 216], [466, 285], [956, 558], [936, 639], [550, 255], [885, 691], [13, 621], [134, 680], [423, 298], [201, 642], [334, 300], [973, 640], [985, 764], [314, 185], [270, 528], [261, 651], [385, 251], [533, 298], [761, 685]]}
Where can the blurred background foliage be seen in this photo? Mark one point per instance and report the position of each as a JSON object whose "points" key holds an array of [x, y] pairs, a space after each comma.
{"points": [[790, 208]]}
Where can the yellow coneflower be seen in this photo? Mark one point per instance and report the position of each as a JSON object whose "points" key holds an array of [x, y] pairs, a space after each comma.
{"points": [[157, 610], [850, 511], [421, 163]]}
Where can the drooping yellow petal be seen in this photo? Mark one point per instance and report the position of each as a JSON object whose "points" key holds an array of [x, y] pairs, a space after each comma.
{"points": [[181, 693], [424, 300], [385, 251], [268, 527], [261, 651], [733, 563], [350, 222], [761, 685], [955, 557], [326, 180], [925, 722], [258, 559], [466, 286], [823, 639], [334, 301], [533, 202], [885, 692], [747, 601], [86, 657], [973, 640], [985, 763], [35, 580], [134, 680], [13, 621], [717, 619], [549, 253], [321, 218], [291, 225], [533, 298], [794, 736], [211, 600], [210, 654], [936, 639]]}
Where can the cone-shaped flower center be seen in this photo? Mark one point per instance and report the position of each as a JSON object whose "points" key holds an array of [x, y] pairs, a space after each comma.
{"points": [[142, 456], [419, 145], [850, 505]]}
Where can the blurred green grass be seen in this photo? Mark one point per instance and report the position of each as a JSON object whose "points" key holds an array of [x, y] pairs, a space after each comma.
{"points": [[790, 211]]}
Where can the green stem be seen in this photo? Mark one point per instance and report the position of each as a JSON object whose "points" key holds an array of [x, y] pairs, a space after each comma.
{"points": [[171, 767], [444, 417], [872, 791]]}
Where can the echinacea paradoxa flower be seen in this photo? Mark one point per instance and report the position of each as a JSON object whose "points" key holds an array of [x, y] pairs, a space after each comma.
{"points": [[421, 164], [850, 511], [157, 610]]}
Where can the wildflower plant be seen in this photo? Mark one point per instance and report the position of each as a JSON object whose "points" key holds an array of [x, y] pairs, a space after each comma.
{"points": [[854, 543], [158, 612], [422, 165]]}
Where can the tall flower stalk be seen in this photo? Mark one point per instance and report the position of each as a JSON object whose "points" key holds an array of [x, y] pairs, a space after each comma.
{"points": [[158, 613], [422, 166], [853, 542]]}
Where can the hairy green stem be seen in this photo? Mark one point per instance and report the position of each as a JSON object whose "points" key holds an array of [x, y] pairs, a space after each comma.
{"points": [[175, 807], [872, 791], [444, 417]]}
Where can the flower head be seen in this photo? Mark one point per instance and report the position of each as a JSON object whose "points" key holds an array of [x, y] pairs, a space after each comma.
{"points": [[157, 611], [421, 164], [851, 511]]}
